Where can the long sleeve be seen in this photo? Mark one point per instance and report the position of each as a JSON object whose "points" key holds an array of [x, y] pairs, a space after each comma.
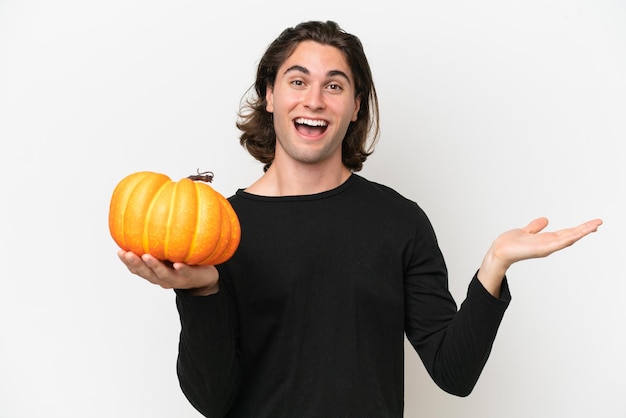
{"points": [[455, 354], [208, 366], [453, 345]]}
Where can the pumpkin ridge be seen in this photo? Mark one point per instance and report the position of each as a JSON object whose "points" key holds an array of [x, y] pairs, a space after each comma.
{"points": [[123, 215], [119, 205], [146, 229], [123, 212], [224, 233], [168, 223], [202, 198], [234, 236], [194, 237], [225, 225], [207, 235], [135, 215]]}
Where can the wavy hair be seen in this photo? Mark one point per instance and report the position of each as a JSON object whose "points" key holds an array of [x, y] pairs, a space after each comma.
{"points": [[256, 123]]}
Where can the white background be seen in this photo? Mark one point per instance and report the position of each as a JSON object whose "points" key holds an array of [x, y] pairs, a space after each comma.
{"points": [[493, 113]]}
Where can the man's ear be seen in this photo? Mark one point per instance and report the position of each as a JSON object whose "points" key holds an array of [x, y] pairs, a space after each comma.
{"points": [[357, 107], [269, 98]]}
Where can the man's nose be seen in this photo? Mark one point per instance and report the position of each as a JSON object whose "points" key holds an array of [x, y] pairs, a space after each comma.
{"points": [[314, 98]]}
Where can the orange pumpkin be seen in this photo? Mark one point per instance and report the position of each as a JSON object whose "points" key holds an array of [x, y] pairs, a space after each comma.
{"points": [[185, 221]]}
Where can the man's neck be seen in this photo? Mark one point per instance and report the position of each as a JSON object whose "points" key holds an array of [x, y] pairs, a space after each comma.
{"points": [[279, 181]]}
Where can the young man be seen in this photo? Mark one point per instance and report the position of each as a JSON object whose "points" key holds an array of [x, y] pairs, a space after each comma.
{"points": [[309, 316]]}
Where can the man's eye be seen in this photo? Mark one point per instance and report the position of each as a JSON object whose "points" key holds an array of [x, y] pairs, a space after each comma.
{"points": [[335, 87]]}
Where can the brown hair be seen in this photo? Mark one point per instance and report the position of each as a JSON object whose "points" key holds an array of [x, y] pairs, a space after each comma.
{"points": [[258, 136]]}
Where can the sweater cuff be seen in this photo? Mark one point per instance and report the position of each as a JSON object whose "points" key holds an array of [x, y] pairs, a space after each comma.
{"points": [[185, 296], [477, 290]]}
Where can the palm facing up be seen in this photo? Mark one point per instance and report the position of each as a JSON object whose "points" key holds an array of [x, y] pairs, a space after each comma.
{"points": [[526, 243]]}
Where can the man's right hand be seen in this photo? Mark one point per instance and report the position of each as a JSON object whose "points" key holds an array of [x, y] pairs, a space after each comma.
{"points": [[200, 280]]}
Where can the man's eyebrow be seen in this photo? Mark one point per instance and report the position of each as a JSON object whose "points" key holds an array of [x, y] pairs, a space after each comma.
{"points": [[304, 70], [297, 68]]}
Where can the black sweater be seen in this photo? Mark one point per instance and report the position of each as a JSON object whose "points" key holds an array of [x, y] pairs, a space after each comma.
{"points": [[314, 305]]}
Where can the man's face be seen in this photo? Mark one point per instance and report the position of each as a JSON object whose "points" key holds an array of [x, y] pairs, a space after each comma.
{"points": [[313, 103]]}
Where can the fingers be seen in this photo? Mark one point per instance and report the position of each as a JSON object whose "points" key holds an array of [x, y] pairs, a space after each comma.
{"points": [[539, 224], [162, 269], [549, 242], [170, 275], [571, 235], [146, 266], [530, 242], [536, 225], [591, 226]]}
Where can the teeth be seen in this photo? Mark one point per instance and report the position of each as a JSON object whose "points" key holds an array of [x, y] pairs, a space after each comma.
{"points": [[311, 122]]}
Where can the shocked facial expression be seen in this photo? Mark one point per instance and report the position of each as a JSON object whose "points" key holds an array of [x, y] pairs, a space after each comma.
{"points": [[313, 102]]}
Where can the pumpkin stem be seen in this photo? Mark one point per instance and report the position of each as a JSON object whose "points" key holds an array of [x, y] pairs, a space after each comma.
{"points": [[204, 176]]}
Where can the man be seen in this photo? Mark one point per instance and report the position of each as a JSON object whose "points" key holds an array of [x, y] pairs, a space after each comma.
{"points": [[308, 318]]}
